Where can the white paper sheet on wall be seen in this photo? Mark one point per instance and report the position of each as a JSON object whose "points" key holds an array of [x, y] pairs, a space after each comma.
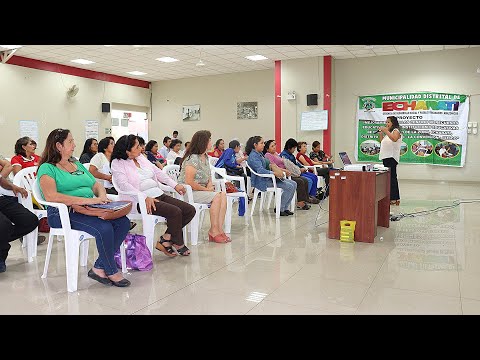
{"points": [[314, 120], [29, 128], [91, 129]]}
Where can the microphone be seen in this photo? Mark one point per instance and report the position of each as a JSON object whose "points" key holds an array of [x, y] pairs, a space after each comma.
{"points": [[378, 131]]}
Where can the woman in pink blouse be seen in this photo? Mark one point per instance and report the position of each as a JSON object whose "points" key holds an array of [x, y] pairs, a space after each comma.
{"points": [[302, 184]]}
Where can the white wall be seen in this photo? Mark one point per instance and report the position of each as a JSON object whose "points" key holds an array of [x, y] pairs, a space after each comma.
{"points": [[452, 71], [304, 76], [30, 94], [218, 96]]}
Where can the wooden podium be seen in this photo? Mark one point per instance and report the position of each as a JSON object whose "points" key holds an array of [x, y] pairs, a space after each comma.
{"points": [[363, 196]]}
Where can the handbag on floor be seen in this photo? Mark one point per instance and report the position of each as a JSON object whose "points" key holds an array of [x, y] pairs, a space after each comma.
{"points": [[137, 254]]}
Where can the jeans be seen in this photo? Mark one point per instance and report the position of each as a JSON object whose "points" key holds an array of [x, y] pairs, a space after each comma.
{"points": [[288, 186], [108, 234], [312, 183], [24, 222]]}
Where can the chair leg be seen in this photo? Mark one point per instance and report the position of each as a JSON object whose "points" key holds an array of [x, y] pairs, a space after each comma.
{"points": [[30, 240], [270, 195], [72, 252], [123, 256], [278, 201], [262, 200], [194, 229], [84, 252], [184, 231], [254, 201], [294, 202], [202, 217], [246, 208], [148, 232], [228, 215], [47, 256]]}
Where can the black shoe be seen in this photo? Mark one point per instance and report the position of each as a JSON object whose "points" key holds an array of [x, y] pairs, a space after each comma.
{"points": [[289, 212], [3, 267], [122, 283], [283, 213], [320, 195], [105, 281], [313, 200], [304, 207]]}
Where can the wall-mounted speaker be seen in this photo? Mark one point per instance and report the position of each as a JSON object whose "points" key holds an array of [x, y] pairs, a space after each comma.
{"points": [[312, 99], [106, 107]]}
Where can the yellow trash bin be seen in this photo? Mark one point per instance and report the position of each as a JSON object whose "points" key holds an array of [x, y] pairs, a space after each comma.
{"points": [[347, 230]]}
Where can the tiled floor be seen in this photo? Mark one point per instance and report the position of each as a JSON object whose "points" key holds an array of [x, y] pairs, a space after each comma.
{"points": [[420, 265]]}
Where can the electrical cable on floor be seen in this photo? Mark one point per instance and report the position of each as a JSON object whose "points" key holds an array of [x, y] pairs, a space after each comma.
{"points": [[400, 216], [320, 208]]}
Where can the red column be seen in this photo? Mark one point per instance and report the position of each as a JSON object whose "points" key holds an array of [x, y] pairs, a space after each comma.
{"points": [[327, 102], [278, 105]]}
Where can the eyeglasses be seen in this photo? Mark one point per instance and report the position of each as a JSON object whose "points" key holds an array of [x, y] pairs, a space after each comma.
{"points": [[77, 172]]}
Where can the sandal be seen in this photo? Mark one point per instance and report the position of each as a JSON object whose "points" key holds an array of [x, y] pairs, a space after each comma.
{"points": [[226, 237], [183, 250], [167, 250]]}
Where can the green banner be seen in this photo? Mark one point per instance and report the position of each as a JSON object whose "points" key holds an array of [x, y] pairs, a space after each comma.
{"points": [[433, 126]]}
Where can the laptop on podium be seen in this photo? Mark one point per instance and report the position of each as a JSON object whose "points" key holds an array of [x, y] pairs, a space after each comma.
{"points": [[345, 159]]}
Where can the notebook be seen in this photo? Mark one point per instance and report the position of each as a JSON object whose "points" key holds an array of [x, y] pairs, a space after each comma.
{"points": [[114, 205], [345, 159]]}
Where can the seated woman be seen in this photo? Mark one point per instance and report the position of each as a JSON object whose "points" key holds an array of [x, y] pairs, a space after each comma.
{"points": [[319, 155], [305, 160], [302, 183], [218, 149], [67, 182], [90, 148], [195, 171], [100, 164], [24, 155], [229, 161], [133, 172], [257, 162], [175, 151], [151, 150], [287, 153]]}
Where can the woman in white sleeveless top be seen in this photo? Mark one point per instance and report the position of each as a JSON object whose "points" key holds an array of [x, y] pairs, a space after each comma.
{"points": [[390, 142]]}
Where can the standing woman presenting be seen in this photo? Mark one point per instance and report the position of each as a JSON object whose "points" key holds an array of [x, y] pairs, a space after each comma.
{"points": [[390, 142]]}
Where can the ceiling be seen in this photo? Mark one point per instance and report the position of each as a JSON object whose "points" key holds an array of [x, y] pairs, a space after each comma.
{"points": [[218, 59]]}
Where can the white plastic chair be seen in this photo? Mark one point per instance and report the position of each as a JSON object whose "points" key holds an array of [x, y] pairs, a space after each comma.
{"points": [[148, 221], [275, 190], [212, 160], [25, 179], [76, 242], [249, 181], [173, 171], [231, 197]]}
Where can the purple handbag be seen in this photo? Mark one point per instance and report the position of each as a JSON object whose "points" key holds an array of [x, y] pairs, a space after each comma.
{"points": [[137, 253]]}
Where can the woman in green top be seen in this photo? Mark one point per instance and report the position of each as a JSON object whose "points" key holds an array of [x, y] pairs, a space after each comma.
{"points": [[69, 182]]}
